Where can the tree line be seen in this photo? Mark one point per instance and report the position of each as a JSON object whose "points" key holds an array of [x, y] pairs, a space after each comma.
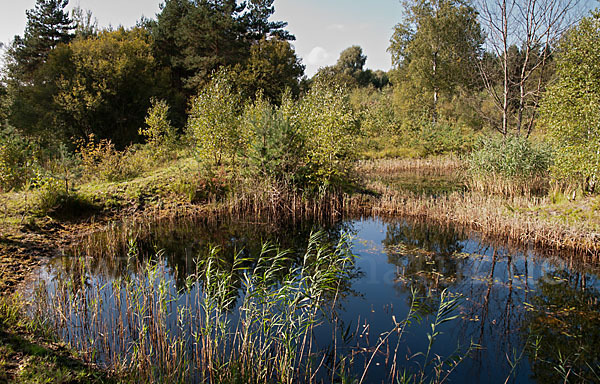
{"points": [[459, 67], [66, 78]]}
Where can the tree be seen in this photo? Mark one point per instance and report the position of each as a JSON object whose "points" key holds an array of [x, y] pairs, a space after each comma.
{"points": [[330, 128], [214, 120], [196, 38], [48, 25], [257, 24], [436, 47], [85, 24], [570, 109], [349, 70], [31, 74], [108, 88], [272, 68], [3, 104], [529, 29]]}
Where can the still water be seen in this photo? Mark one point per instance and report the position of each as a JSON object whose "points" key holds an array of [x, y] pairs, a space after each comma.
{"points": [[533, 317]]}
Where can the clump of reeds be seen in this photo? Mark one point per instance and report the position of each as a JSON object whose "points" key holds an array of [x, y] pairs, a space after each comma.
{"points": [[165, 334], [234, 320], [510, 166], [433, 165]]}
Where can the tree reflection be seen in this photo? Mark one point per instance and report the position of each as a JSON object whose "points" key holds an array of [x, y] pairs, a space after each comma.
{"points": [[424, 254], [182, 244], [565, 315]]}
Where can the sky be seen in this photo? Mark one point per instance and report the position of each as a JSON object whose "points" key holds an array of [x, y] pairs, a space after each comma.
{"points": [[323, 28]]}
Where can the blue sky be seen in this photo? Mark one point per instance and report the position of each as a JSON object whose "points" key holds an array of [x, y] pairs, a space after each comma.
{"points": [[323, 28]]}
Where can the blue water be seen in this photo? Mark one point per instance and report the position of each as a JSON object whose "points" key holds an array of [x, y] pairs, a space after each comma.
{"points": [[511, 298]]}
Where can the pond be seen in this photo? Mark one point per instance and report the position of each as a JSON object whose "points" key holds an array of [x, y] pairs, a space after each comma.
{"points": [[520, 315]]}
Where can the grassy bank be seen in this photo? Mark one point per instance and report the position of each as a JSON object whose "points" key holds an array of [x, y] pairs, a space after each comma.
{"points": [[551, 221]]}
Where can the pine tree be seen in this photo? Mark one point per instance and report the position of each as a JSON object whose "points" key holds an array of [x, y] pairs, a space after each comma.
{"points": [[47, 26]]}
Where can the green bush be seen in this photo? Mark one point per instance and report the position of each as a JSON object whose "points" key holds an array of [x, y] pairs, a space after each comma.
{"points": [[570, 109], [510, 165], [158, 132], [18, 163], [443, 138], [55, 200], [330, 127], [213, 123], [276, 146], [100, 160]]}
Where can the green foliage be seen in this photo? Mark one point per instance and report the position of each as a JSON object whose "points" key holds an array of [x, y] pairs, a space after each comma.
{"points": [[108, 91], [271, 68], [213, 123], [376, 111], [570, 110], [195, 38], [4, 104], [277, 147], [512, 157], [18, 163], [435, 50], [201, 186], [85, 24], [159, 132], [510, 165], [330, 128], [48, 25], [444, 138], [100, 160], [349, 71], [53, 198]]}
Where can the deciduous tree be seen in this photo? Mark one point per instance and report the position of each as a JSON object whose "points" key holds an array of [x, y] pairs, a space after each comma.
{"points": [[527, 29], [272, 68], [570, 110], [436, 48]]}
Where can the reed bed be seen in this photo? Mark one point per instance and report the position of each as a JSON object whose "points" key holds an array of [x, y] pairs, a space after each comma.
{"points": [[235, 320], [498, 185], [433, 165], [491, 215]]}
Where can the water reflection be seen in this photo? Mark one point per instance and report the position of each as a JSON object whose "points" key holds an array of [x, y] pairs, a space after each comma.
{"points": [[513, 298], [564, 316]]}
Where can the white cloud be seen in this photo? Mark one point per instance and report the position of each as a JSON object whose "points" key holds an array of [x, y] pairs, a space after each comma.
{"points": [[318, 55]]}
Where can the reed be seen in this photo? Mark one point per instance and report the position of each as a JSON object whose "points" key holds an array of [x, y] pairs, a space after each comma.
{"points": [[431, 165], [492, 215], [235, 320]]}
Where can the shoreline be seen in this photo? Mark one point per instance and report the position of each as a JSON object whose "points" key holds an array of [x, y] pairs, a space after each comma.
{"points": [[515, 219]]}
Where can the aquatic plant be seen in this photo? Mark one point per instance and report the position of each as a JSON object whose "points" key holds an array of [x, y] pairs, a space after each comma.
{"points": [[236, 319]]}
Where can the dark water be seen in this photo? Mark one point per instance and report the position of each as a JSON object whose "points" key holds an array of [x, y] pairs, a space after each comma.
{"points": [[512, 298]]}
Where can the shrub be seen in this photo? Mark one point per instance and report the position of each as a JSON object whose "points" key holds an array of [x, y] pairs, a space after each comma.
{"points": [[102, 161], [330, 126], [55, 200], [276, 147], [201, 186], [510, 165], [213, 123], [443, 138], [18, 163], [159, 132]]}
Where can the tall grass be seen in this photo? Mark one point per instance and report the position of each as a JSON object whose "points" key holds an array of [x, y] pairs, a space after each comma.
{"points": [[235, 319], [510, 166], [165, 334]]}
